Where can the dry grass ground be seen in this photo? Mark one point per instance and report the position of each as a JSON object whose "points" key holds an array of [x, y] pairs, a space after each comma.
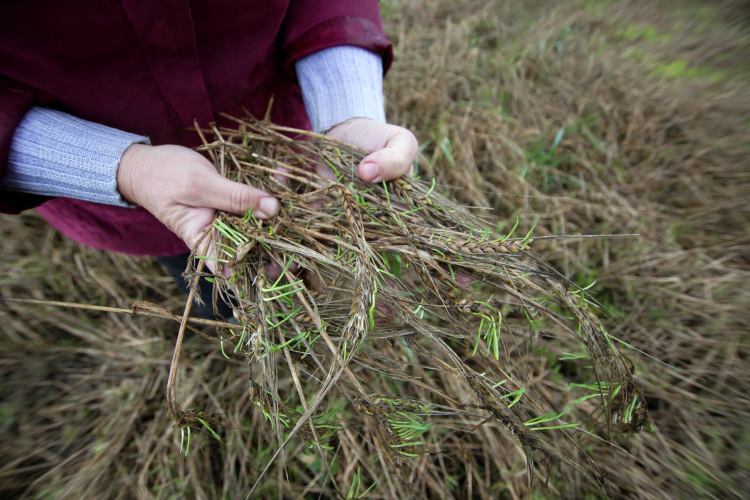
{"points": [[597, 117]]}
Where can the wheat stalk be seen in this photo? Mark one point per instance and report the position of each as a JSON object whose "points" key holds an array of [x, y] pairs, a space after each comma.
{"points": [[390, 263]]}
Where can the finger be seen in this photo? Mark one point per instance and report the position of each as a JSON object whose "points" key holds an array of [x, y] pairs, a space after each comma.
{"points": [[273, 271], [222, 194], [326, 173], [463, 280], [280, 177], [393, 161]]}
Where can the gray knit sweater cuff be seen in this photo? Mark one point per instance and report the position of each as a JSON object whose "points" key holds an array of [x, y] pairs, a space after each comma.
{"points": [[56, 154], [340, 83]]}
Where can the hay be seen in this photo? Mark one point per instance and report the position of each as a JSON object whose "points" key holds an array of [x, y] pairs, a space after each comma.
{"points": [[399, 264]]}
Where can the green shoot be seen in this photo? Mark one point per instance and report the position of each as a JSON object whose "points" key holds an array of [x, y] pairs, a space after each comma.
{"points": [[226, 249], [285, 294], [584, 398], [629, 412], [491, 334], [228, 254], [230, 233], [408, 212], [419, 311], [248, 215], [222, 349], [335, 170], [507, 236], [516, 395], [383, 271], [601, 386], [281, 274], [430, 191], [285, 318], [387, 196], [531, 231], [409, 426], [242, 338], [209, 428], [485, 234], [568, 355], [271, 419], [203, 257], [371, 312], [294, 339], [354, 493], [546, 418], [187, 448]]}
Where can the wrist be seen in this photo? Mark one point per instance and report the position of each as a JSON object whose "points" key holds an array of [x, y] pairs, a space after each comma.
{"points": [[127, 171], [346, 124]]}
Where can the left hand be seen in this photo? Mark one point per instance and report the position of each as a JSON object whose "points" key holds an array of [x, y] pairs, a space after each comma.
{"points": [[392, 148], [392, 152]]}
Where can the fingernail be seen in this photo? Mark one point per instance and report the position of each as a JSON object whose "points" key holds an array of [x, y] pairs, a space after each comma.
{"points": [[370, 172], [269, 206]]}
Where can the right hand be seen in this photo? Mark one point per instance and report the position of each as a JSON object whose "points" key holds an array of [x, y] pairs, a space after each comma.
{"points": [[183, 190], [392, 148]]}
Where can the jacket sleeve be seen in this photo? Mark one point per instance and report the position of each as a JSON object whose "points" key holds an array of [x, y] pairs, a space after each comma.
{"points": [[15, 101], [313, 25]]}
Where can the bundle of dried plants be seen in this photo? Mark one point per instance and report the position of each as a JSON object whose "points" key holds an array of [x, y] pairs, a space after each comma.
{"points": [[347, 272]]}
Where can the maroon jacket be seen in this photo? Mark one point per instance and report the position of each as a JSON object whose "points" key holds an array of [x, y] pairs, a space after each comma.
{"points": [[150, 68]]}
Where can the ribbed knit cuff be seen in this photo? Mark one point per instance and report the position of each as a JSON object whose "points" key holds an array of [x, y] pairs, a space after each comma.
{"points": [[341, 83], [56, 154]]}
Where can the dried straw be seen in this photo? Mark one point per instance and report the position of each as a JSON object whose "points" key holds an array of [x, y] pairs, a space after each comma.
{"points": [[395, 263]]}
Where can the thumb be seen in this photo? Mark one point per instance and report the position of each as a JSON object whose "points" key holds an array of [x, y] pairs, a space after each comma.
{"points": [[393, 161], [229, 196]]}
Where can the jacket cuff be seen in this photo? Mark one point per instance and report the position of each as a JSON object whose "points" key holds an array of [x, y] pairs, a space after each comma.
{"points": [[56, 154], [341, 83], [342, 30]]}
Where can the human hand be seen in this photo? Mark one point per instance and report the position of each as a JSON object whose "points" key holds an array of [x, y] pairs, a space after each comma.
{"points": [[183, 190], [392, 148]]}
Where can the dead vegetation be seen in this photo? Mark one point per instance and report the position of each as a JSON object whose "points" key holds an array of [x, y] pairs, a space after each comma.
{"points": [[576, 114]]}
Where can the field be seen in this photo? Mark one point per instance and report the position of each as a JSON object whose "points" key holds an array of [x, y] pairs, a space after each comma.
{"points": [[594, 117]]}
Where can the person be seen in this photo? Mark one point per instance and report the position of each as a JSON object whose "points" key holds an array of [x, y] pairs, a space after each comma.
{"points": [[96, 99]]}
